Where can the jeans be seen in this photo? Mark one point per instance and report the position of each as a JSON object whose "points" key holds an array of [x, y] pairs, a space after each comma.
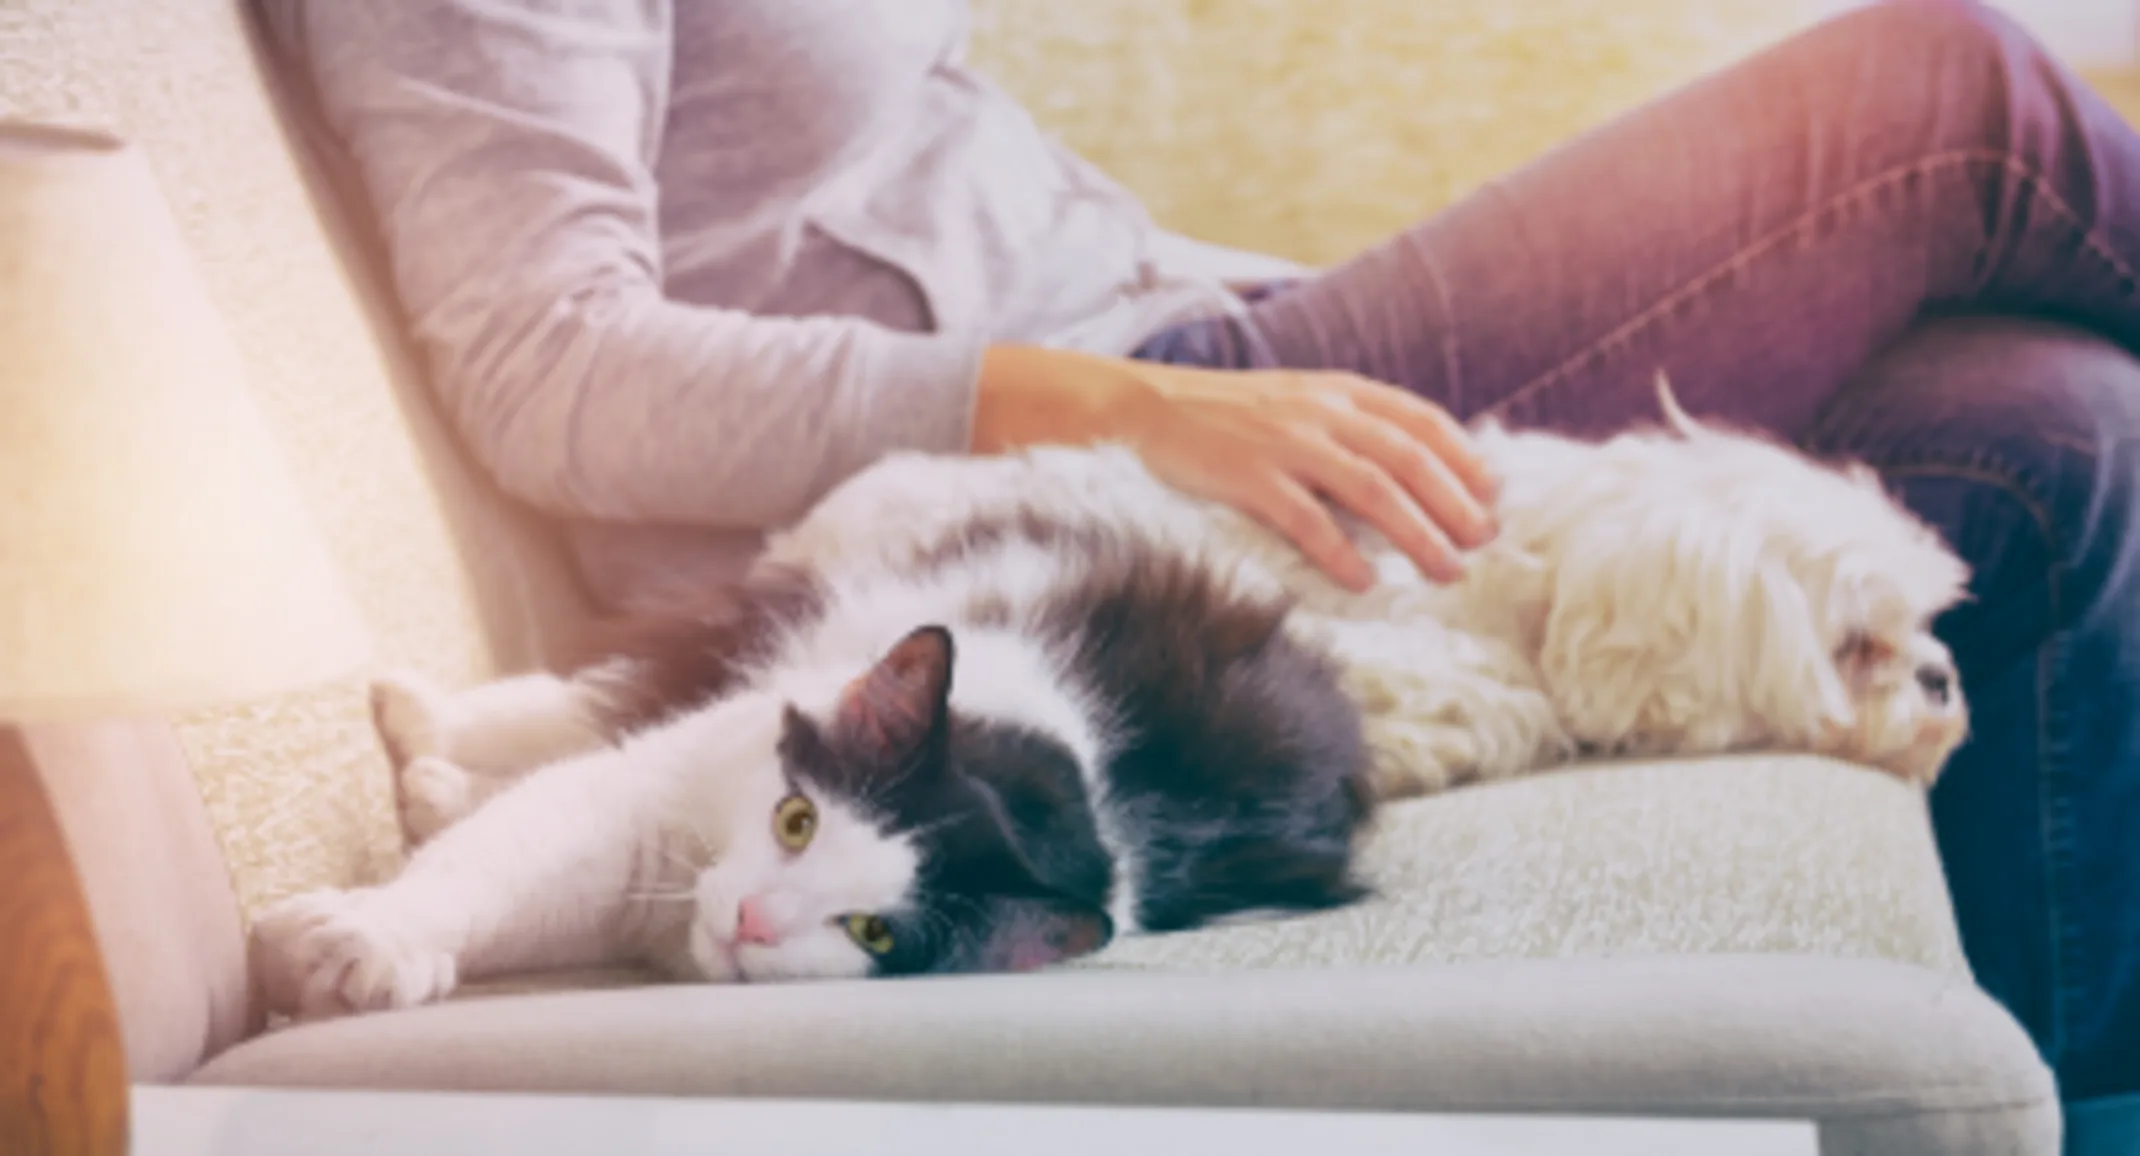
{"points": [[1783, 239]]}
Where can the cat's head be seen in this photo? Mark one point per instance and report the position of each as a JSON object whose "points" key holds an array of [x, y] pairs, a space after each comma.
{"points": [[866, 845]]}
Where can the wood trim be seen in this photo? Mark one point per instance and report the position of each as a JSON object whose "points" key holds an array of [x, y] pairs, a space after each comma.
{"points": [[63, 1081]]}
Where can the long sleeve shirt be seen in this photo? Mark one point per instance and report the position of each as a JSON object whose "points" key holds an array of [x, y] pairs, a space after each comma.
{"points": [[678, 267]]}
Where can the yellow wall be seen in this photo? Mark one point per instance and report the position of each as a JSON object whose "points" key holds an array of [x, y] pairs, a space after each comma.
{"points": [[1310, 128]]}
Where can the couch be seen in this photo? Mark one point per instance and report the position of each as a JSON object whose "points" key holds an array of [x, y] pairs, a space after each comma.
{"points": [[1762, 936]]}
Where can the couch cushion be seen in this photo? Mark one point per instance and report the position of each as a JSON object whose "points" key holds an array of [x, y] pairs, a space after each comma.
{"points": [[1765, 872], [1747, 854], [1752, 854], [1889, 1058]]}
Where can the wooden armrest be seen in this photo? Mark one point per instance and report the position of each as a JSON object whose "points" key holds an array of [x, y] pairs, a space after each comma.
{"points": [[63, 1079]]}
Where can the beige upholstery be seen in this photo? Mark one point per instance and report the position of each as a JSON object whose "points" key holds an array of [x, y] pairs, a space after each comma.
{"points": [[1888, 1063], [1687, 856], [1288, 125]]}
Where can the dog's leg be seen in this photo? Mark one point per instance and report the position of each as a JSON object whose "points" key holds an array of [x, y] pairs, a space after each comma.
{"points": [[1441, 708]]}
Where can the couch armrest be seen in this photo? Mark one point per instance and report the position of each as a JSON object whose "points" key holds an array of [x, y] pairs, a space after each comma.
{"points": [[153, 875], [62, 1069]]}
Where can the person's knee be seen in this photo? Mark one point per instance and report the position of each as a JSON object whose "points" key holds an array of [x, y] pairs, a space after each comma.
{"points": [[1915, 25], [2019, 440], [1958, 61]]}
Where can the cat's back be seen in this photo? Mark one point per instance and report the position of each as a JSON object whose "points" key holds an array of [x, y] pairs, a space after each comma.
{"points": [[1233, 765]]}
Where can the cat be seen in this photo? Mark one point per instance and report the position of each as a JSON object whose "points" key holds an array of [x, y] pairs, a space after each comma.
{"points": [[996, 753], [1686, 590]]}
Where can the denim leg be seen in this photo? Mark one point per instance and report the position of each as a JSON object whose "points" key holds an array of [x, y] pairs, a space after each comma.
{"points": [[2021, 442], [1757, 235]]}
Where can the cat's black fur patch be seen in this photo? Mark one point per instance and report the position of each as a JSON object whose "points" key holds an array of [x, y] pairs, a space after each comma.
{"points": [[1240, 771]]}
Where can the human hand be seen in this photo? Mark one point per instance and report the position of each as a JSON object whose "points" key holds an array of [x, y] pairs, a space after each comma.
{"points": [[1276, 444]]}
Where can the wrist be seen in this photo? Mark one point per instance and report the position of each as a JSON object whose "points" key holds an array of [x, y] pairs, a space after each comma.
{"points": [[1030, 395]]}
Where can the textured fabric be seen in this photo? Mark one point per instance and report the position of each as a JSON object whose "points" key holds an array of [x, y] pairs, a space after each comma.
{"points": [[1695, 856], [1760, 237], [1890, 1060]]}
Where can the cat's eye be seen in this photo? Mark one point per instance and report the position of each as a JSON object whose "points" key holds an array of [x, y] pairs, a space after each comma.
{"points": [[795, 822], [869, 933]]}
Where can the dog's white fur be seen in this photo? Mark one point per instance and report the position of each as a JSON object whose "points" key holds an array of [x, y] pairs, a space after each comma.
{"points": [[1680, 590], [1683, 589]]}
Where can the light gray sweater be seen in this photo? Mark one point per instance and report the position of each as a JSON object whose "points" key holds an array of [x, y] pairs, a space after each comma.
{"points": [[680, 267]]}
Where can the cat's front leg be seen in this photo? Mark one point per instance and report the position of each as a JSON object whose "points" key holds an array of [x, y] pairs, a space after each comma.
{"points": [[543, 877], [333, 952]]}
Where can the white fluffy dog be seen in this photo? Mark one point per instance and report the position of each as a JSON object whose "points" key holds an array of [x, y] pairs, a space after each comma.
{"points": [[1673, 591]]}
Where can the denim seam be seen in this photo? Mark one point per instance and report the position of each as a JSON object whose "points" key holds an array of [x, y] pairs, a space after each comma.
{"points": [[1988, 472], [1452, 334], [2058, 839], [1797, 228]]}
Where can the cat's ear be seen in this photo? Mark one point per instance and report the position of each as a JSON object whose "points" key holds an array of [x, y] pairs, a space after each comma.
{"points": [[897, 708], [1024, 934]]}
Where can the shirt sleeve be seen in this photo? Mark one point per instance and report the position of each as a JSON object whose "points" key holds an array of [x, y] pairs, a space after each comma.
{"points": [[506, 151]]}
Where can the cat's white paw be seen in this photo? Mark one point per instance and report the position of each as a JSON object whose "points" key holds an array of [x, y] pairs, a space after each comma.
{"points": [[329, 953], [434, 794], [410, 710]]}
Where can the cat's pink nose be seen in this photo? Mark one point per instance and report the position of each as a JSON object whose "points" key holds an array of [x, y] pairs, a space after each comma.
{"points": [[752, 926]]}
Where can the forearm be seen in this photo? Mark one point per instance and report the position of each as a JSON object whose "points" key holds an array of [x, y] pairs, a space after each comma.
{"points": [[1028, 395], [643, 409]]}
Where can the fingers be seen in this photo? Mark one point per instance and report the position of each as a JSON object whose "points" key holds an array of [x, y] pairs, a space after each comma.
{"points": [[1426, 479], [1289, 508], [1369, 490], [1431, 425]]}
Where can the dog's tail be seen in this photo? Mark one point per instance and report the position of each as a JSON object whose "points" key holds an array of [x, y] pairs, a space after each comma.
{"points": [[1675, 418]]}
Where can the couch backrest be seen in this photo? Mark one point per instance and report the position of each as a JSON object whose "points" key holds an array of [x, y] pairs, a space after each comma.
{"points": [[291, 792]]}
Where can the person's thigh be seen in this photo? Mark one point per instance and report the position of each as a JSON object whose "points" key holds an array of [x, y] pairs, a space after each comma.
{"points": [[2020, 442], [1756, 236]]}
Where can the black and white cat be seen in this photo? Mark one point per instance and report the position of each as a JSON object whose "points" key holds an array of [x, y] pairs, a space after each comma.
{"points": [[1023, 738]]}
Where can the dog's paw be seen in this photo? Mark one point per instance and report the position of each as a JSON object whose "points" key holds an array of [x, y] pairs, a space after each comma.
{"points": [[330, 953], [410, 710], [434, 794], [1410, 761]]}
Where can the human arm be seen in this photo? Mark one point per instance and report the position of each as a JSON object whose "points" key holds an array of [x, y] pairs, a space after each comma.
{"points": [[1280, 445], [507, 156]]}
